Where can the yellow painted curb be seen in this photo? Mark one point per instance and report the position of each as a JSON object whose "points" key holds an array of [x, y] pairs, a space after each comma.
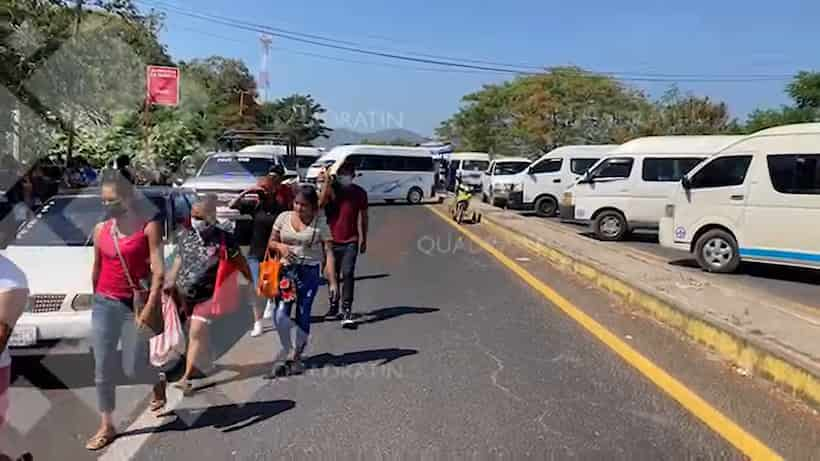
{"points": [[800, 382], [746, 443]]}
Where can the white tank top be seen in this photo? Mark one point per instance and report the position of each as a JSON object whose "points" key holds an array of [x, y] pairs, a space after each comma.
{"points": [[11, 278]]}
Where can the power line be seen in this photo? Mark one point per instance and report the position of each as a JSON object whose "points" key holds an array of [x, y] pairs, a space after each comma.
{"points": [[299, 37]]}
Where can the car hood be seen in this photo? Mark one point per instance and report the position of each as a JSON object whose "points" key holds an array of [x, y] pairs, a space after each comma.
{"points": [[222, 182], [54, 270]]}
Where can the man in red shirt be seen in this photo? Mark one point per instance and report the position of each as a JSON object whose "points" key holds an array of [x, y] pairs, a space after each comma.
{"points": [[345, 206]]}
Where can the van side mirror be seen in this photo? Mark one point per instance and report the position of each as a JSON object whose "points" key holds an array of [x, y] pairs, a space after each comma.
{"points": [[685, 182], [585, 179], [530, 170]]}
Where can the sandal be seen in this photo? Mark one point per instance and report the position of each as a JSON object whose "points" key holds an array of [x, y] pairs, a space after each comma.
{"points": [[100, 440], [185, 386]]}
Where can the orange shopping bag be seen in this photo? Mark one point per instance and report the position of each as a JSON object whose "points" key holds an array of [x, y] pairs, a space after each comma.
{"points": [[269, 268]]}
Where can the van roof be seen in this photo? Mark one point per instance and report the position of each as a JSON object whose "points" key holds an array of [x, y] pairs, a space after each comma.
{"points": [[800, 138], [470, 156], [339, 151], [580, 149], [511, 159], [676, 145], [279, 149], [268, 155]]}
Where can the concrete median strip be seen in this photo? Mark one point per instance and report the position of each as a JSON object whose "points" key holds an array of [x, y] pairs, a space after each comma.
{"points": [[768, 337]]}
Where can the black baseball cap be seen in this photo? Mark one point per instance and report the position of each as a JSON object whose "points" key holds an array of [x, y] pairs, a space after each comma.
{"points": [[276, 170]]}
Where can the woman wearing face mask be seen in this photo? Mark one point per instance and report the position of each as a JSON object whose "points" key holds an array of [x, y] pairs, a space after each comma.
{"points": [[127, 252], [194, 276], [298, 237]]}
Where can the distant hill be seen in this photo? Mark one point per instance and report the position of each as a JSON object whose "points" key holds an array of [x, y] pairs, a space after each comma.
{"points": [[341, 136]]}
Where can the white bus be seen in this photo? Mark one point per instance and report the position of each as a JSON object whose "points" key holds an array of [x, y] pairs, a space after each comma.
{"points": [[756, 200], [387, 173]]}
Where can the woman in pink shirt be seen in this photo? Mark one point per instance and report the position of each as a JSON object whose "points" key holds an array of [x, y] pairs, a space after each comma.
{"points": [[127, 252]]}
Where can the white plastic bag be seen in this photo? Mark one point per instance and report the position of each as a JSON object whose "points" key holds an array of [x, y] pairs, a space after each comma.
{"points": [[168, 347]]}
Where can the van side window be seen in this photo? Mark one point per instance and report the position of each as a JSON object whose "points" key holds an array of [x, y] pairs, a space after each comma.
{"points": [[372, 163], [614, 168], [355, 160], [668, 169], [548, 165], [418, 164], [722, 172], [581, 165], [795, 174]]}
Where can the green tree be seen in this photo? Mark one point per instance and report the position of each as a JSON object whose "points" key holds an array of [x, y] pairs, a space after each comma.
{"points": [[678, 114], [805, 90], [297, 117], [766, 118]]}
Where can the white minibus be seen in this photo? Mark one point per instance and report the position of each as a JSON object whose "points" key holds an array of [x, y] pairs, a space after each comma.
{"points": [[757, 200], [629, 188], [387, 173]]}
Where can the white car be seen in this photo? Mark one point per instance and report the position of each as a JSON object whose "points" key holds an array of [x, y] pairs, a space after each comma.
{"points": [[56, 252], [498, 180], [296, 165]]}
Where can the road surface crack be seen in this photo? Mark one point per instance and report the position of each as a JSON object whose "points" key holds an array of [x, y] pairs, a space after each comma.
{"points": [[500, 367]]}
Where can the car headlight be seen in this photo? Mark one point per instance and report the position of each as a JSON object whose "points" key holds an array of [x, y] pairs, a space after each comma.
{"points": [[515, 187], [82, 302]]}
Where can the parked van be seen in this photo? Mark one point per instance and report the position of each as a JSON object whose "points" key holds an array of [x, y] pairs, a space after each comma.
{"points": [[757, 200], [387, 173], [629, 188], [295, 166], [469, 167], [542, 184], [501, 173]]}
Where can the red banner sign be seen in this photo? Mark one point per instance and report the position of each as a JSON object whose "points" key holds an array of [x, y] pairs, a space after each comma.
{"points": [[162, 84]]}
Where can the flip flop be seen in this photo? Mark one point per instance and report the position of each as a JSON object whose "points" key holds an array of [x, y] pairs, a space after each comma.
{"points": [[185, 386], [157, 405], [99, 441]]}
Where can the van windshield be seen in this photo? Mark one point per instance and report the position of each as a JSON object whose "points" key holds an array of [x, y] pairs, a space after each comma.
{"points": [[475, 165], [238, 165], [510, 168]]}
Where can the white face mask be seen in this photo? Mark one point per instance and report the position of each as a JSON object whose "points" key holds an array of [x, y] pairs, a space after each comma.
{"points": [[200, 225], [345, 180]]}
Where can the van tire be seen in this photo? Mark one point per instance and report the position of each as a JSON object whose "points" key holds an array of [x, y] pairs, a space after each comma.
{"points": [[717, 251], [546, 207], [415, 195], [610, 226]]}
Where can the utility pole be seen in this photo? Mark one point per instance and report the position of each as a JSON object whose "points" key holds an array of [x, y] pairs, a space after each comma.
{"points": [[15, 132]]}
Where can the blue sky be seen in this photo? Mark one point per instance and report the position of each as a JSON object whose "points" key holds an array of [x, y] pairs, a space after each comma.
{"points": [[693, 37]]}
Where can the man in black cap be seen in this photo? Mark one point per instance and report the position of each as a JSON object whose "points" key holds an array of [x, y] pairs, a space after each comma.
{"points": [[273, 198]]}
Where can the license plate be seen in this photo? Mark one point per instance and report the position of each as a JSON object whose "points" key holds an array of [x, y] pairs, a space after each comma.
{"points": [[23, 336]]}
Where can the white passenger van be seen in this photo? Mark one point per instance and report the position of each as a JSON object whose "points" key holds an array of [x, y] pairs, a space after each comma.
{"points": [[629, 188], [501, 173], [295, 166], [470, 167], [387, 173], [541, 185], [757, 200]]}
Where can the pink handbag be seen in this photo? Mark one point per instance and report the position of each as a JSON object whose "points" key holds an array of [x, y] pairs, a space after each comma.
{"points": [[169, 346]]}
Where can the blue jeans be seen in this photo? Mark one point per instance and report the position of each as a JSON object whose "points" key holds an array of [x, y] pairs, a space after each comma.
{"points": [[307, 284], [111, 321]]}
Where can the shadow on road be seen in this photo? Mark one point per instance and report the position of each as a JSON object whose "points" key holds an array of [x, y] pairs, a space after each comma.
{"points": [[388, 313], [242, 373], [371, 277], [228, 418], [383, 356], [766, 271]]}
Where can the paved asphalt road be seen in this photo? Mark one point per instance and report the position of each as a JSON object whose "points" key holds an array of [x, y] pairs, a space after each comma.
{"points": [[455, 358]]}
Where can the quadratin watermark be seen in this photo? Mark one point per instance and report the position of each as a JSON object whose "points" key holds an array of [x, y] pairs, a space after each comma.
{"points": [[358, 371], [367, 121]]}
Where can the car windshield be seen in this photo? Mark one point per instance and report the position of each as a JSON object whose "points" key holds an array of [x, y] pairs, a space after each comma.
{"points": [[70, 221], [237, 165], [322, 163], [475, 165], [509, 168]]}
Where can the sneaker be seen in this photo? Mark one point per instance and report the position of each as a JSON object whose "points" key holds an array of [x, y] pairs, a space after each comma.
{"points": [[347, 320], [257, 329], [268, 314], [297, 367], [332, 313], [280, 370]]}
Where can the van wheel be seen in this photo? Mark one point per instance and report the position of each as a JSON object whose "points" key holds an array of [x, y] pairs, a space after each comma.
{"points": [[546, 207], [610, 226], [716, 251], [415, 196]]}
